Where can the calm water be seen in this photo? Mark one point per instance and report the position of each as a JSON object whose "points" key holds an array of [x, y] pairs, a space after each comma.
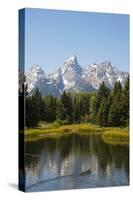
{"points": [[55, 164]]}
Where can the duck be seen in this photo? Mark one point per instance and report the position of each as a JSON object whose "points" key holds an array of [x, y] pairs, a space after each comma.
{"points": [[85, 172]]}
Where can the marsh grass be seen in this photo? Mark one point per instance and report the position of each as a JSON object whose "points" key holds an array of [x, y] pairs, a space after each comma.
{"points": [[116, 136], [74, 128], [112, 135]]}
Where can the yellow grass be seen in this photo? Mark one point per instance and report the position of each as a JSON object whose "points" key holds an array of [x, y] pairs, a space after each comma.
{"points": [[112, 135], [74, 128], [116, 136]]}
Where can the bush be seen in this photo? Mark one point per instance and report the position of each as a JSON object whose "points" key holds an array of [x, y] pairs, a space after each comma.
{"points": [[85, 119], [61, 122], [55, 125]]}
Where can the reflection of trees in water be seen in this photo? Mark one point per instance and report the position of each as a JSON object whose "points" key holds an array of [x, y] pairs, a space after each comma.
{"points": [[110, 154], [103, 153], [80, 146], [120, 156]]}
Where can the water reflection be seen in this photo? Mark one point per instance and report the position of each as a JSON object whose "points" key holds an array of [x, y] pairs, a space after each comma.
{"points": [[56, 163]]}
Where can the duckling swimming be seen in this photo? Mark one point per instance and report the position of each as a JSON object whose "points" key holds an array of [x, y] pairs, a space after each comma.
{"points": [[85, 172]]}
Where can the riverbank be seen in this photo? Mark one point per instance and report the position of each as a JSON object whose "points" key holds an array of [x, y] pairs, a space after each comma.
{"points": [[113, 135]]}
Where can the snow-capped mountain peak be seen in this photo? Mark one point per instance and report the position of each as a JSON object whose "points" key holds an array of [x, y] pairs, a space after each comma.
{"points": [[70, 72], [71, 64], [72, 77], [72, 60], [36, 70], [35, 75]]}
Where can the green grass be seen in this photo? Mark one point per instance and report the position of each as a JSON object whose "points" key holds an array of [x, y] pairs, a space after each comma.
{"points": [[74, 128], [116, 136], [112, 135]]}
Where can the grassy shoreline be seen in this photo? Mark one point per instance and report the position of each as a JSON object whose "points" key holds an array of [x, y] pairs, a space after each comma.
{"points": [[113, 135]]}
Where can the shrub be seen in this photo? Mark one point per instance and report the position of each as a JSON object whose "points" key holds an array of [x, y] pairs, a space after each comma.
{"points": [[55, 125], [61, 122], [85, 119]]}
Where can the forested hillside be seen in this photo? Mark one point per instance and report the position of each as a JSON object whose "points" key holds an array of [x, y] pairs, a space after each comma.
{"points": [[105, 107]]}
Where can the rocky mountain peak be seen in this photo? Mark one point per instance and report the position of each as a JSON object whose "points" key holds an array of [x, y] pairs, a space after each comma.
{"points": [[72, 77], [37, 69], [71, 66], [72, 60]]}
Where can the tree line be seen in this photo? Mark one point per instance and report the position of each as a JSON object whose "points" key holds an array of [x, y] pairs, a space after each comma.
{"points": [[105, 107]]}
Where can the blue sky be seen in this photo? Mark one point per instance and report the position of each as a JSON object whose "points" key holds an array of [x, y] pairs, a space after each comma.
{"points": [[52, 36]]}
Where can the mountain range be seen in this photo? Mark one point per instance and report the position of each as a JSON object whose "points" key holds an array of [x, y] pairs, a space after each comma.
{"points": [[72, 77]]}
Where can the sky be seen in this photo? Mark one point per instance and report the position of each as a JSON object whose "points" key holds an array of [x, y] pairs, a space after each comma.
{"points": [[51, 36]]}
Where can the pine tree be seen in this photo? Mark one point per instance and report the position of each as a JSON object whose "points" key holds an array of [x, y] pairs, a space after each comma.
{"points": [[126, 102], [76, 108], [50, 108], [40, 104], [102, 93], [66, 100], [84, 104], [116, 111], [117, 88], [33, 115], [28, 107], [92, 109], [102, 117], [59, 110], [119, 110]]}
